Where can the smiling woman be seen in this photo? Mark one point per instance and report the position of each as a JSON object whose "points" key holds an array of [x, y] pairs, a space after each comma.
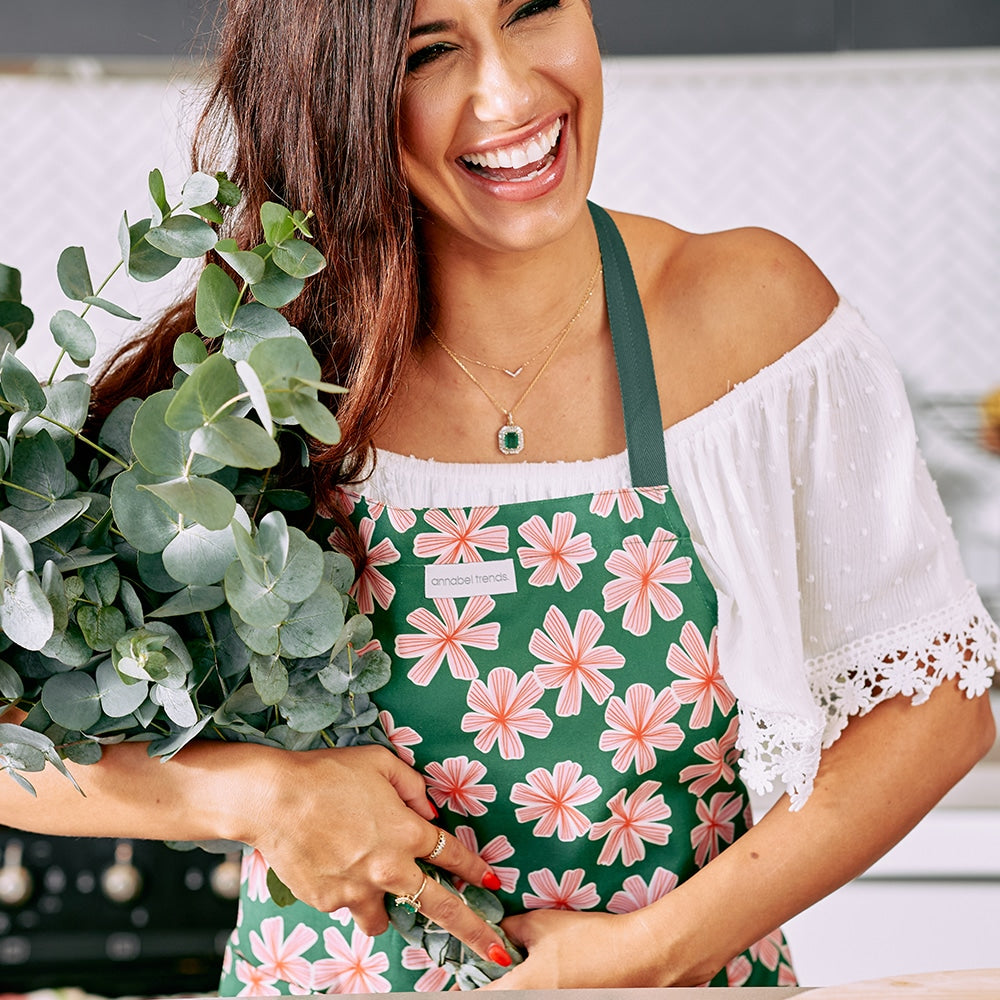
{"points": [[701, 553]]}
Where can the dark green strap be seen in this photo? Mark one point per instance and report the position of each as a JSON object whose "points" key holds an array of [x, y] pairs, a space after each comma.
{"points": [[647, 458]]}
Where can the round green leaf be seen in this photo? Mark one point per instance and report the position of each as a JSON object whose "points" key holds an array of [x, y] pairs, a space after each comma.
{"points": [[118, 697], [159, 448], [190, 601], [38, 466], [302, 571], [146, 522], [314, 418], [189, 351], [199, 189], [248, 265], [68, 647], [176, 703], [275, 289], [298, 258], [252, 325], [36, 524], [17, 319], [212, 387], [74, 274], [238, 442], [182, 236], [276, 222], [10, 284], [312, 627], [202, 500], [158, 191], [11, 685], [20, 387], [25, 613], [215, 301], [145, 262], [308, 707], [68, 402], [72, 700], [74, 335], [270, 678], [101, 627], [116, 431], [229, 194], [253, 602], [199, 556]]}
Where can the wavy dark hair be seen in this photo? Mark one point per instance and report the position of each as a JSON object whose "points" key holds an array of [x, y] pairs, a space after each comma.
{"points": [[304, 109]]}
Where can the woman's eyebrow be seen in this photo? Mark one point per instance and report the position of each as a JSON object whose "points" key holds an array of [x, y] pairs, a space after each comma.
{"points": [[434, 27]]}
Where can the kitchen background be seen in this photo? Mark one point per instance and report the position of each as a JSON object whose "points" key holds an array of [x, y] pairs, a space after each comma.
{"points": [[867, 131]]}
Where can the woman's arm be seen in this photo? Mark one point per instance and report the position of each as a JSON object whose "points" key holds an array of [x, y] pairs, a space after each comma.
{"points": [[884, 773], [340, 827]]}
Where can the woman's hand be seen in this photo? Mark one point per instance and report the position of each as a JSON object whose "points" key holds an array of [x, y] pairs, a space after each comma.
{"points": [[571, 950], [343, 827]]}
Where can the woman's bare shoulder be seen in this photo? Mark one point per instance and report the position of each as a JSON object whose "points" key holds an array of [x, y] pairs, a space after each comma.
{"points": [[731, 302]]}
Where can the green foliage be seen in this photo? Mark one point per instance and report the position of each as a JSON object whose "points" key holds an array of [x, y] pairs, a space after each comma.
{"points": [[151, 586]]}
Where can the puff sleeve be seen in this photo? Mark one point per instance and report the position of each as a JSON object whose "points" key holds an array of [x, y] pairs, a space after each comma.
{"points": [[839, 579]]}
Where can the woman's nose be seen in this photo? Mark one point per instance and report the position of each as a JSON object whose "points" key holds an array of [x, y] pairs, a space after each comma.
{"points": [[505, 89]]}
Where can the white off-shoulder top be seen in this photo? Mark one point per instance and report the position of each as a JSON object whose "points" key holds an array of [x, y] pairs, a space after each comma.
{"points": [[838, 576]]}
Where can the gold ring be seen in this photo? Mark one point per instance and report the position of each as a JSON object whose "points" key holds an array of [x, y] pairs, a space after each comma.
{"points": [[411, 900], [438, 847]]}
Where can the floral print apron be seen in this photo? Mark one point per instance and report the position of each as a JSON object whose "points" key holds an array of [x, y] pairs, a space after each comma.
{"points": [[555, 679]]}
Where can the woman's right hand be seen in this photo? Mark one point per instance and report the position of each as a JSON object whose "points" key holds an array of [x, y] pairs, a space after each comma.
{"points": [[343, 827]]}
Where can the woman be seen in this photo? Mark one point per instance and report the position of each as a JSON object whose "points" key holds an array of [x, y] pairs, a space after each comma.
{"points": [[576, 631]]}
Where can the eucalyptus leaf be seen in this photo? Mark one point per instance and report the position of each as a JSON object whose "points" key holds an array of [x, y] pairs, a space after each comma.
{"points": [[11, 685], [146, 521], [262, 640], [238, 442], [312, 627], [101, 627], [101, 583], [248, 265], [17, 320], [55, 591], [302, 568], [376, 669], [25, 613], [198, 189], [308, 707], [315, 418], [276, 288], [158, 191], [276, 221], [208, 392], [15, 552], [209, 213], [67, 403], [258, 395], [190, 601], [199, 499], [72, 700], [118, 697], [253, 324], [177, 703], [74, 274], [270, 678], [298, 259], [280, 894], [145, 262], [111, 308], [117, 429], [182, 236], [216, 301], [20, 387], [159, 448], [68, 647], [198, 555], [10, 284], [167, 747], [253, 602], [189, 351], [36, 524], [229, 193]]}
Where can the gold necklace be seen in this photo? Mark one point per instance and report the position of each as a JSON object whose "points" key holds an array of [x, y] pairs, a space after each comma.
{"points": [[510, 437], [507, 371]]}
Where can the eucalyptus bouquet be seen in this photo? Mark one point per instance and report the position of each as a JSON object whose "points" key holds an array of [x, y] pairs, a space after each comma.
{"points": [[153, 588]]}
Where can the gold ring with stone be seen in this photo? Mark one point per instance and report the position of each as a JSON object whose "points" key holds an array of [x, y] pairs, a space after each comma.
{"points": [[411, 900], [438, 847]]}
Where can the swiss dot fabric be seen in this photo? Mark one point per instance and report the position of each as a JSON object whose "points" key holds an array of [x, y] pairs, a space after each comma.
{"points": [[838, 576]]}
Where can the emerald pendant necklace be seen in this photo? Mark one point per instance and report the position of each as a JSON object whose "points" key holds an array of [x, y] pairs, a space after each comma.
{"points": [[510, 437]]}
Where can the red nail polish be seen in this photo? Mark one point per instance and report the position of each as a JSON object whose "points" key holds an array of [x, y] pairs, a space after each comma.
{"points": [[490, 881], [496, 953], [433, 809]]}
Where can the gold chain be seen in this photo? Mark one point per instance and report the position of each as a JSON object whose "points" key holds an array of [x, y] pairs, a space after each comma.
{"points": [[511, 437]]}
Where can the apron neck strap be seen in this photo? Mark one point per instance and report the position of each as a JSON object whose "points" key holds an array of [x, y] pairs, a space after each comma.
{"points": [[640, 400]]}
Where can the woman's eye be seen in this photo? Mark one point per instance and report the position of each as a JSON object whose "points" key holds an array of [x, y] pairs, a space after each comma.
{"points": [[535, 7], [426, 55]]}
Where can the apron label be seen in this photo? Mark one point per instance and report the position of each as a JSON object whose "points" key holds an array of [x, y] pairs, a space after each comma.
{"points": [[470, 579]]}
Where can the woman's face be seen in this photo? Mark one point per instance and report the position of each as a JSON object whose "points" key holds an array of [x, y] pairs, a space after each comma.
{"points": [[500, 117]]}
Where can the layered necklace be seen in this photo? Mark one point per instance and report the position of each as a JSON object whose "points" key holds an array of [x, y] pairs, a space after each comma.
{"points": [[510, 437]]}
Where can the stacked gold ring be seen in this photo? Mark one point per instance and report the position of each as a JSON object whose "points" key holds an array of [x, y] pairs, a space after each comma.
{"points": [[438, 847]]}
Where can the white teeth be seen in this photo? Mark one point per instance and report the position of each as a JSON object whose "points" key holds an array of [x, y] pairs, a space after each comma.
{"points": [[520, 155]]}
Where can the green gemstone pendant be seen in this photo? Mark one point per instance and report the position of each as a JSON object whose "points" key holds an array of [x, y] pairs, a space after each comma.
{"points": [[510, 437]]}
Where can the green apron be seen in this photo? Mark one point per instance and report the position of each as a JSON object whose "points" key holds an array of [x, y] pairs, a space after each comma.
{"points": [[555, 679]]}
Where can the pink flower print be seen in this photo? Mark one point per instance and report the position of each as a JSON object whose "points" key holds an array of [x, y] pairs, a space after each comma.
{"points": [[502, 710], [639, 726], [767, 950], [454, 783], [445, 638], [634, 821], [573, 659], [551, 797], [568, 893], [627, 501], [401, 737], [705, 687], [716, 825], [460, 536], [399, 517], [258, 982], [635, 894], [371, 585], [786, 975], [255, 875], [351, 968], [555, 554], [739, 971], [435, 980], [343, 916], [644, 573], [720, 754], [281, 957], [498, 849], [342, 500]]}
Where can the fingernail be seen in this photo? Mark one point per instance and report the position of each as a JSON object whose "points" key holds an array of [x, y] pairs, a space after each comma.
{"points": [[433, 809], [490, 881], [498, 954]]}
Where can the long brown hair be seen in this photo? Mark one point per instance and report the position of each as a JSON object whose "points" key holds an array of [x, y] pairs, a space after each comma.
{"points": [[304, 109]]}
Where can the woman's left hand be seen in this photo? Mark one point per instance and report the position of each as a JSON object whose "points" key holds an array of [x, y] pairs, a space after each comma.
{"points": [[572, 950]]}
